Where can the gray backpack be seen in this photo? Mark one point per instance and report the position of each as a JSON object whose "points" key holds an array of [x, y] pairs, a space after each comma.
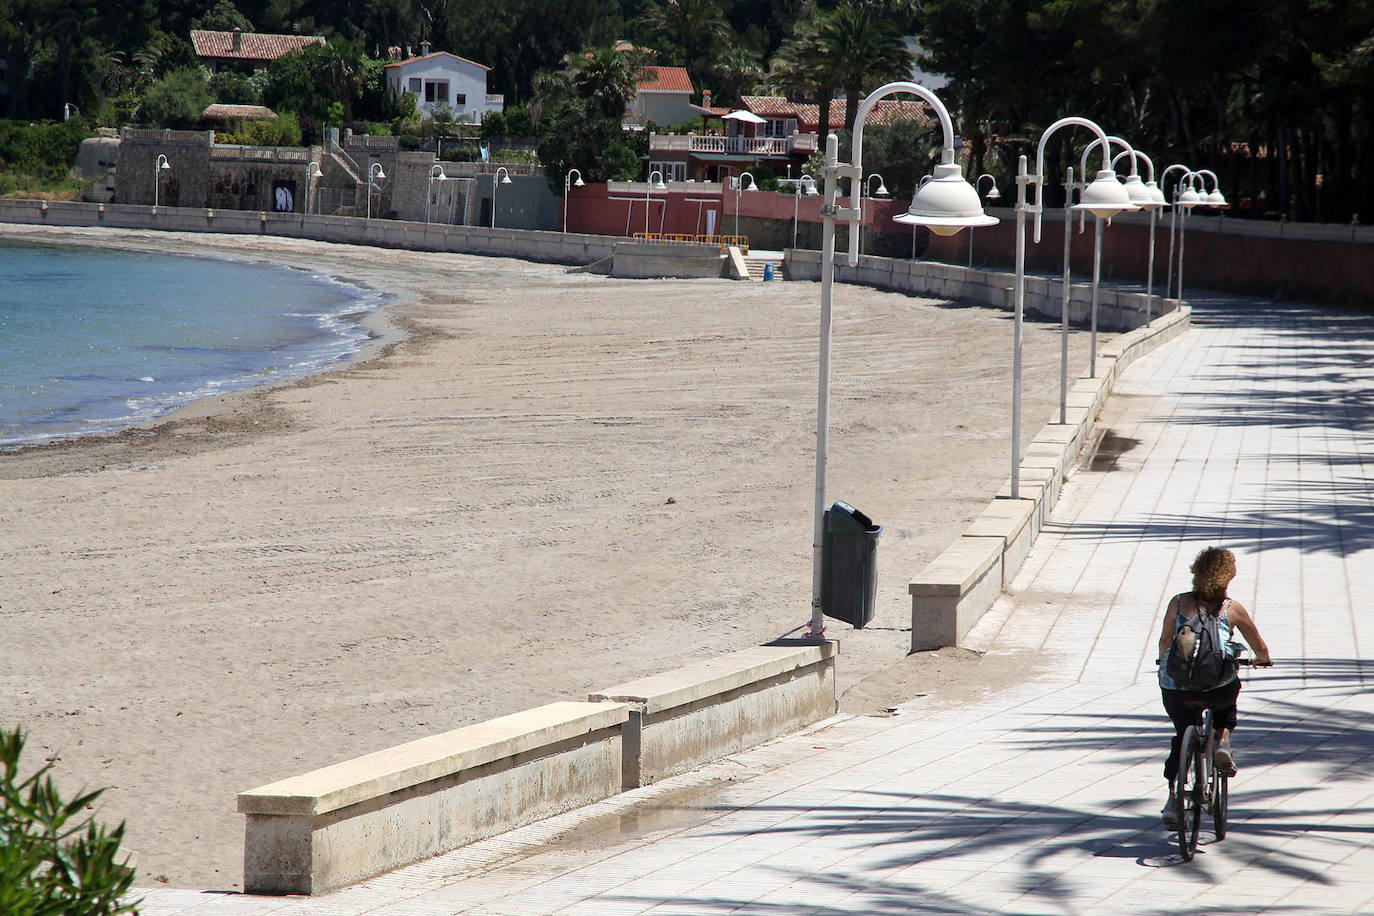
{"points": [[1198, 658]]}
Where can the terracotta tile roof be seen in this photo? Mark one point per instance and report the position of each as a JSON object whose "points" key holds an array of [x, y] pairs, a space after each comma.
{"points": [[411, 60], [808, 114], [219, 112], [252, 45], [665, 79]]}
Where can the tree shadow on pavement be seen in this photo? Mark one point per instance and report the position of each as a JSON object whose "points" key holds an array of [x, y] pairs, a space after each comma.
{"points": [[1032, 846]]}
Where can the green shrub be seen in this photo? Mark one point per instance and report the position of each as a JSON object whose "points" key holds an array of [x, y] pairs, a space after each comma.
{"points": [[44, 151], [54, 859], [177, 99]]}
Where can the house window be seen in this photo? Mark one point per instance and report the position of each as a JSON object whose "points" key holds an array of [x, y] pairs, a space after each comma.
{"points": [[415, 85], [460, 99], [436, 91], [782, 127], [671, 171]]}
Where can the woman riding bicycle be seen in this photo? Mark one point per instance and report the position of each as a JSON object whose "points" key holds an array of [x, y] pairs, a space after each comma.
{"points": [[1212, 569]]}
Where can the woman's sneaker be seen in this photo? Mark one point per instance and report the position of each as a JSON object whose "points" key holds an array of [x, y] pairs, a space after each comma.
{"points": [[1169, 814], [1224, 760]]}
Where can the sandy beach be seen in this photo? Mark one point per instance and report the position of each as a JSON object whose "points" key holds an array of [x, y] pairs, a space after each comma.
{"points": [[548, 483]]}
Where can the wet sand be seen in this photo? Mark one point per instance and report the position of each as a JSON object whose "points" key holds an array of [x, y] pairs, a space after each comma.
{"points": [[549, 483]]}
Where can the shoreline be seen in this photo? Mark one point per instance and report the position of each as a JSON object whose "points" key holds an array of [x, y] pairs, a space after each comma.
{"points": [[553, 481], [381, 331]]}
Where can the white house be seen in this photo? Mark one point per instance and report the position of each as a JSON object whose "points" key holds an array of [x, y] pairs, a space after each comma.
{"points": [[442, 78], [663, 96]]}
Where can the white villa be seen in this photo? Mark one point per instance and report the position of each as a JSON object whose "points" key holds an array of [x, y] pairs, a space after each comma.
{"points": [[442, 78]]}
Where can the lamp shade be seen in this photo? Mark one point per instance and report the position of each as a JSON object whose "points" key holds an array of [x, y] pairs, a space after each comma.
{"points": [[946, 203], [1190, 199], [1156, 194], [579, 182], [994, 194], [1105, 197], [1217, 199], [1140, 194]]}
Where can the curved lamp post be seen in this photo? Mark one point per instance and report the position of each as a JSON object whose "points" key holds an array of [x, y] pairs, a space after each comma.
{"points": [[993, 194], [568, 185], [502, 176], [945, 204], [436, 173], [157, 176], [869, 192], [739, 189], [1149, 198], [374, 174], [1185, 200], [312, 176], [1103, 197], [1137, 204], [1216, 200], [803, 185], [651, 185]]}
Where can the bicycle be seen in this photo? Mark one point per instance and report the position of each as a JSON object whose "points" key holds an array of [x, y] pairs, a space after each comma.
{"points": [[1200, 785]]}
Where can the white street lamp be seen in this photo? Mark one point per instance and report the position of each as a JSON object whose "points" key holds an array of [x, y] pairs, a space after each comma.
{"points": [[312, 175], [739, 188], [867, 187], [157, 176], [993, 194], [1136, 204], [436, 173], [803, 185], [946, 204], [569, 184], [502, 176], [1103, 197], [374, 174], [1185, 202], [1216, 200], [1151, 201], [651, 185]]}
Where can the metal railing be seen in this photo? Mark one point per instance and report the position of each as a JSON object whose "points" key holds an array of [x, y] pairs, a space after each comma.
{"points": [[259, 153], [747, 146], [686, 238]]}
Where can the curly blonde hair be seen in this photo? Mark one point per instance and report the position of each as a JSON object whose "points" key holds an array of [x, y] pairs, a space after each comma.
{"points": [[1213, 569]]}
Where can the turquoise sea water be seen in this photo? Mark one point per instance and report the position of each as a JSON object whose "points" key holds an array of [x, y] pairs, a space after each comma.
{"points": [[94, 340]]}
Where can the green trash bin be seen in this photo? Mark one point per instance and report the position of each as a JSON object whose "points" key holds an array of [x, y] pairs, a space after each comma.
{"points": [[849, 565]]}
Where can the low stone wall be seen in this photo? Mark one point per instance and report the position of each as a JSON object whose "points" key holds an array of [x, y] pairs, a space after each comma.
{"points": [[323, 830], [950, 595], [554, 247], [718, 707], [1117, 310], [320, 831], [641, 261]]}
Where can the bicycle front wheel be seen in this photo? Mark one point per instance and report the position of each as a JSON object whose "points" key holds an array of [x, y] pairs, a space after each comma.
{"points": [[1189, 788]]}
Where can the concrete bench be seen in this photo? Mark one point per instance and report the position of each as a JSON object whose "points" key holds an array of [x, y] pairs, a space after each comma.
{"points": [[335, 826], [723, 705]]}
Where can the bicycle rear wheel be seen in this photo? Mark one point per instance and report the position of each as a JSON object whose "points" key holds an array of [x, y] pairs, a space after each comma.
{"points": [[1188, 793]]}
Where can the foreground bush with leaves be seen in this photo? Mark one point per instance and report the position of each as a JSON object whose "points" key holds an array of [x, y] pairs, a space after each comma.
{"points": [[55, 860]]}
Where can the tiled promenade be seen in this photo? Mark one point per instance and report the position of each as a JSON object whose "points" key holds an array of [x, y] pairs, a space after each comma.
{"points": [[1255, 430]]}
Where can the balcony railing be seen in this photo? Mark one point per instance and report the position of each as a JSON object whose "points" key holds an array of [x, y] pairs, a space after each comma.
{"points": [[804, 144]]}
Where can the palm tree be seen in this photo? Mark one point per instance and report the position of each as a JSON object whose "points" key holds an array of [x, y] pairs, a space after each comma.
{"points": [[606, 79], [734, 72], [802, 66], [694, 24], [864, 51]]}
